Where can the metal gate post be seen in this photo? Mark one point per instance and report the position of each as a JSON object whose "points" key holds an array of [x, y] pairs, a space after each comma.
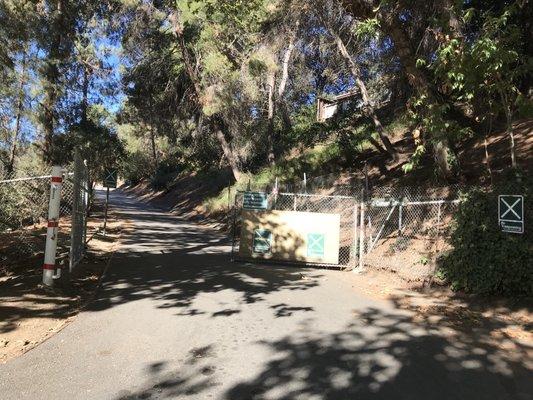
{"points": [[362, 235], [85, 188], [75, 218], [49, 265], [355, 232], [234, 227], [400, 218]]}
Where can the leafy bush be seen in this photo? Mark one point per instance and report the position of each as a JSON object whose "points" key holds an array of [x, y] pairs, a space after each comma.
{"points": [[485, 260]]}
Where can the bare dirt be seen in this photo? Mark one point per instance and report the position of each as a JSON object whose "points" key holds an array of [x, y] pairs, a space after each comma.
{"points": [[503, 323], [29, 313]]}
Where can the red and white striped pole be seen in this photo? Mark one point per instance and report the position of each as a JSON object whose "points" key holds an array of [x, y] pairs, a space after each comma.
{"points": [[49, 266]]}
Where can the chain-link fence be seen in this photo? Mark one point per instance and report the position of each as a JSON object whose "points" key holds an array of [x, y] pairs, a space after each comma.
{"points": [[305, 228], [405, 229], [23, 208], [402, 230], [23, 215], [80, 204]]}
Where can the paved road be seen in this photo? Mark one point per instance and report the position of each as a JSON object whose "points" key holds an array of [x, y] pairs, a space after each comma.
{"points": [[176, 319]]}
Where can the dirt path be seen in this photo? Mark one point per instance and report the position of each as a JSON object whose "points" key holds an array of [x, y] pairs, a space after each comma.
{"points": [[176, 319]]}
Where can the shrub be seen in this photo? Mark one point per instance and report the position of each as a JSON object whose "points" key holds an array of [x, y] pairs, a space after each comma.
{"points": [[485, 260]]}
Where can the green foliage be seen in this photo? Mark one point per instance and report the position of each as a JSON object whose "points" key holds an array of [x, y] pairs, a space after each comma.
{"points": [[369, 28], [485, 260], [166, 172], [438, 127]]}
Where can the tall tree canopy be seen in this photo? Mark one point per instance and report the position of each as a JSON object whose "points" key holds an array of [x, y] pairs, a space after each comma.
{"points": [[174, 85]]}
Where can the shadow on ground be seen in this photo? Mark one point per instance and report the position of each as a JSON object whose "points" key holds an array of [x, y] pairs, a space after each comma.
{"points": [[404, 354], [175, 263]]}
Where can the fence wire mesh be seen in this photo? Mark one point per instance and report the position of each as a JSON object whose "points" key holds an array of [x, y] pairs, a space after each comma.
{"points": [[400, 229], [80, 203], [24, 212], [346, 207], [23, 208], [405, 229]]}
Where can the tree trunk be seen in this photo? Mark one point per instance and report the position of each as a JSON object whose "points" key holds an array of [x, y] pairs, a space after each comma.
{"points": [[509, 127], [51, 73], [271, 81], [418, 81], [488, 131], [441, 154], [18, 120], [378, 147], [215, 121], [152, 131], [287, 124], [455, 25], [85, 95], [191, 72], [228, 152], [368, 104]]}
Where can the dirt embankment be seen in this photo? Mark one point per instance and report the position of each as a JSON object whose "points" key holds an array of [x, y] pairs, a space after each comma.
{"points": [[29, 313], [187, 193]]}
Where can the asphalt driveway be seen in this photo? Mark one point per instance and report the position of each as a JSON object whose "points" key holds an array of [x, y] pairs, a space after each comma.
{"points": [[176, 319]]}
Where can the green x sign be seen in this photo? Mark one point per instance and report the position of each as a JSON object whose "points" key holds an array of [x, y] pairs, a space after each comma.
{"points": [[315, 244], [110, 178], [511, 213], [262, 241]]}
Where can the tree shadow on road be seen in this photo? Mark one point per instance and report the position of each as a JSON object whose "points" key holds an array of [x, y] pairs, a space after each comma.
{"points": [[174, 261], [405, 351], [403, 354]]}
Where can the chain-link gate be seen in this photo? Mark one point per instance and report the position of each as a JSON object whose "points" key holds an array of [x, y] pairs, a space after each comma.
{"points": [[405, 229], [80, 203], [23, 215], [397, 229], [343, 211]]}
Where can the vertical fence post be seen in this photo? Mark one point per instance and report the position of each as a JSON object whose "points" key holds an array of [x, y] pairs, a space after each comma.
{"points": [[400, 212], [49, 266], [438, 230], [355, 231], [305, 183], [76, 224], [85, 187], [234, 227], [106, 208], [362, 231], [436, 255]]}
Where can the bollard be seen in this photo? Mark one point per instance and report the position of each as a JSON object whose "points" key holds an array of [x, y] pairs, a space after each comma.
{"points": [[49, 266]]}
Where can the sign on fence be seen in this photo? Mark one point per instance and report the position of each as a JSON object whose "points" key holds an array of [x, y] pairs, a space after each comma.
{"points": [[255, 201], [294, 236], [262, 241], [511, 213], [110, 178], [315, 245]]}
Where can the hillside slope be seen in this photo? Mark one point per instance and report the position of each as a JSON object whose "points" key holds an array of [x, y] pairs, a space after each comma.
{"points": [[200, 195]]}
